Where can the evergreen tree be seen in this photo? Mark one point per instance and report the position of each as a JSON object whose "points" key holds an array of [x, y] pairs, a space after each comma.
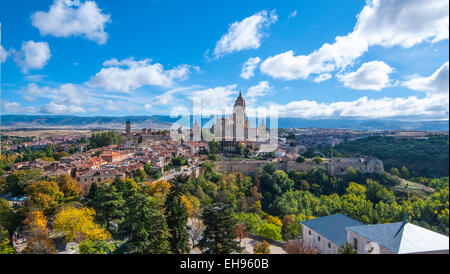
{"points": [[347, 249], [177, 215], [108, 203], [219, 235], [145, 227], [92, 195]]}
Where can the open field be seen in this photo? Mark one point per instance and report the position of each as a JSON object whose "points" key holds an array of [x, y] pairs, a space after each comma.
{"points": [[46, 133]]}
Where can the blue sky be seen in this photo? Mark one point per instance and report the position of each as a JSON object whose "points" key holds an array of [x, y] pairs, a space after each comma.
{"points": [[309, 59]]}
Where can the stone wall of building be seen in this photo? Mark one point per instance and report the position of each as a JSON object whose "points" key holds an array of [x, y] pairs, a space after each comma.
{"points": [[245, 167], [336, 166]]}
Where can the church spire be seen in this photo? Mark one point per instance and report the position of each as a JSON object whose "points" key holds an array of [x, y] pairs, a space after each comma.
{"points": [[240, 100]]}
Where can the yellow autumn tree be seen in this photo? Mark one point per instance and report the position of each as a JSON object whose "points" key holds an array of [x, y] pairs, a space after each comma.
{"points": [[274, 220], [261, 248], [38, 239], [78, 225], [189, 206], [157, 188], [130, 184]]}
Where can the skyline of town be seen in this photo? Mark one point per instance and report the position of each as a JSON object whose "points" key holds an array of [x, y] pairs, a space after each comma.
{"points": [[224, 127]]}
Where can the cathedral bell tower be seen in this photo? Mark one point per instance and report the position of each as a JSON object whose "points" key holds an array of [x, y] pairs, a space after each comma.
{"points": [[239, 119]]}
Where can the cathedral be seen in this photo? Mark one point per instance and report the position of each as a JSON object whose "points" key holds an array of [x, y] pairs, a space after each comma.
{"points": [[236, 129]]}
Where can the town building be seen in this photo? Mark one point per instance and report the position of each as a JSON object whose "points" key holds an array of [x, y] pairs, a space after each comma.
{"points": [[327, 234], [100, 176]]}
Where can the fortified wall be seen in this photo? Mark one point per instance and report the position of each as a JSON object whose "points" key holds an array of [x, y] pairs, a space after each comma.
{"points": [[335, 166]]}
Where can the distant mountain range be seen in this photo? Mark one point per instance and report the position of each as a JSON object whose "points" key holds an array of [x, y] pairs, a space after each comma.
{"points": [[164, 122]]}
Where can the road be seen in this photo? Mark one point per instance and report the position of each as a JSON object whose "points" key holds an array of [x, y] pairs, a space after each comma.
{"points": [[176, 173]]}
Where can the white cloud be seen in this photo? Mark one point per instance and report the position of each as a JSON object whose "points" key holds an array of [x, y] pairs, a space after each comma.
{"points": [[70, 18], [72, 3], [64, 94], [249, 67], [370, 76], [437, 82], [292, 14], [34, 77], [429, 107], [3, 54], [14, 107], [65, 99], [322, 77], [119, 106], [218, 100], [246, 34], [33, 55], [55, 108], [386, 23], [128, 75], [258, 90]]}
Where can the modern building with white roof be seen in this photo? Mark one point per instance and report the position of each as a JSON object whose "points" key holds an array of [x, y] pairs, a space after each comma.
{"points": [[327, 234], [396, 238]]}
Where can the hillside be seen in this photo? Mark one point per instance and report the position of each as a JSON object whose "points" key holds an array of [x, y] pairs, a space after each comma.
{"points": [[422, 157], [164, 121]]}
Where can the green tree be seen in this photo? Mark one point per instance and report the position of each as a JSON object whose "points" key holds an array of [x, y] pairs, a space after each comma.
{"points": [[212, 157], [219, 234], [5, 242], [94, 247], [108, 203], [140, 175], [252, 221], [154, 173], [346, 249], [19, 180], [394, 171], [214, 147], [404, 173], [240, 149], [8, 219], [270, 231], [304, 185], [300, 159], [177, 215], [178, 161], [376, 192], [145, 227], [317, 160], [356, 189], [104, 139], [208, 167]]}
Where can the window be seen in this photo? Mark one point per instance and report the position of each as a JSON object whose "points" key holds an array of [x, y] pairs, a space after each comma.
{"points": [[329, 245], [309, 232], [318, 238], [355, 243]]}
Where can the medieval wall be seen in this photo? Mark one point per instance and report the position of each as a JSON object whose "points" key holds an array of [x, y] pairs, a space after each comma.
{"points": [[336, 168]]}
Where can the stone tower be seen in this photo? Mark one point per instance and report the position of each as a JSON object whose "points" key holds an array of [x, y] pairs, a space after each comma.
{"points": [[128, 130], [240, 126]]}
